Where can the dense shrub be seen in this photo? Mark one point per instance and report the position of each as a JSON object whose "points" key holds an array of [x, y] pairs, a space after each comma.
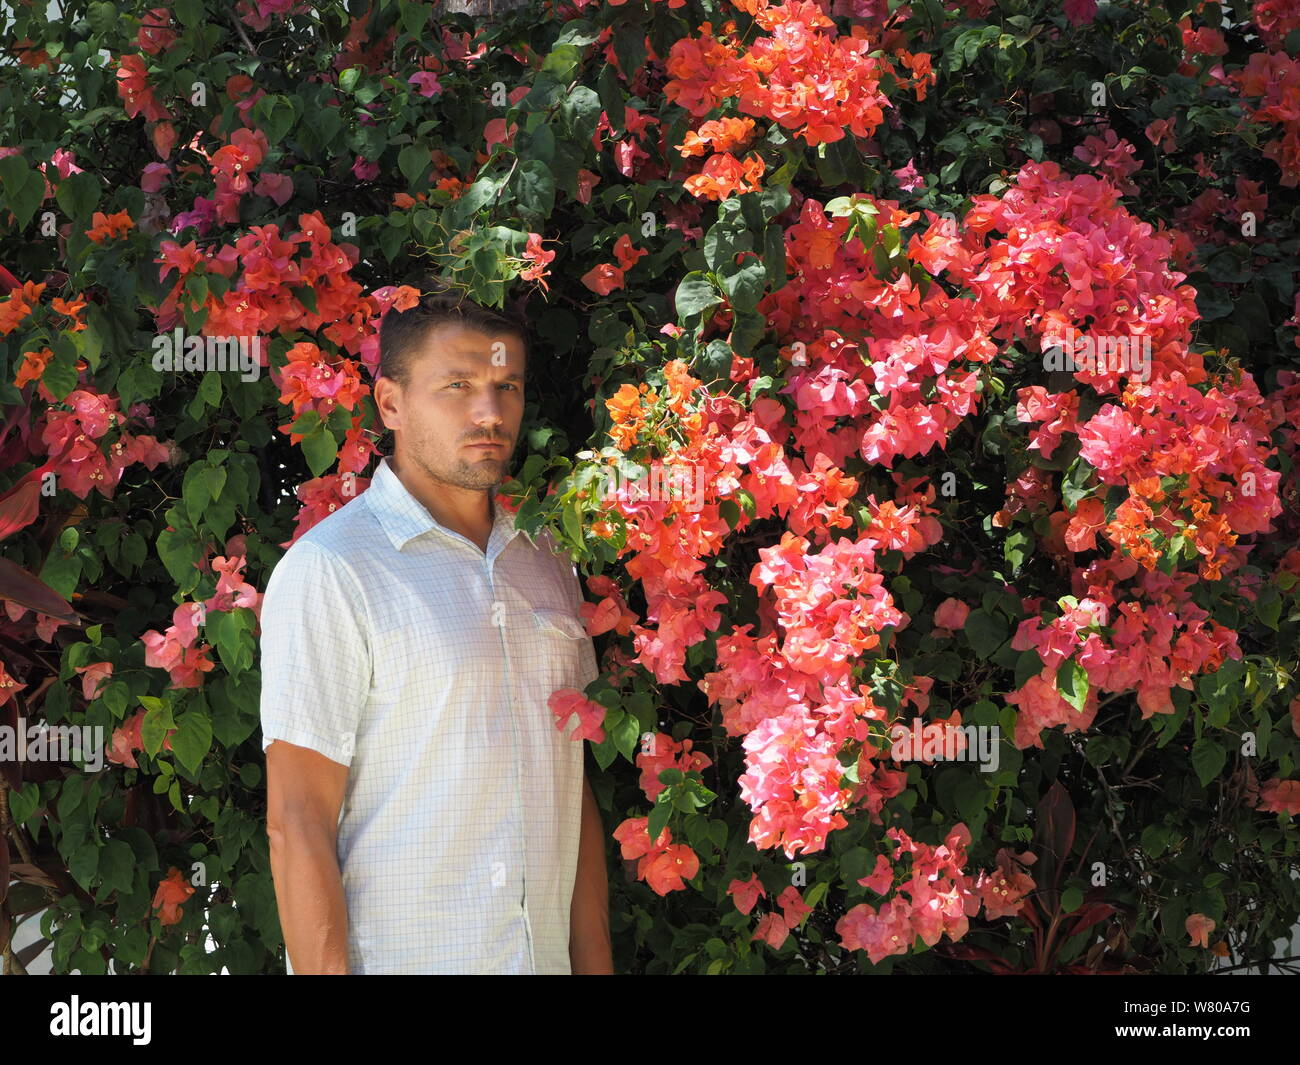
{"points": [[804, 270]]}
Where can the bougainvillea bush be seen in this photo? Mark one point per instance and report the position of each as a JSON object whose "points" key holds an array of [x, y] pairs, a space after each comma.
{"points": [[915, 386]]}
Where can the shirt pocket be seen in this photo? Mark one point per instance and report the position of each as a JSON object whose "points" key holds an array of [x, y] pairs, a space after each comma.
{"points": [[559, 646]]}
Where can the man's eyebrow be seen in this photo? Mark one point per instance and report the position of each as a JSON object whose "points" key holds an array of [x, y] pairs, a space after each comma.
{"points": [[448, 375]]}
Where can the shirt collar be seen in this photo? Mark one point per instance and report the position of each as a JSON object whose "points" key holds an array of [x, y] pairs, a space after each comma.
{"points": [[404, 517]]}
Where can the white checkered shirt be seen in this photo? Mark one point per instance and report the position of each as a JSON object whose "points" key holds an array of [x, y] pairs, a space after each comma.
{"points": [[394, 646]]}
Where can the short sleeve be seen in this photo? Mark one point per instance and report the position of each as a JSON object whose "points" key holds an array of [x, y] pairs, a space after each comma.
{"points": [[315, 653]]}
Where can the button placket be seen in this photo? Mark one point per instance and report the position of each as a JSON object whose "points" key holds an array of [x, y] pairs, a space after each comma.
{"points": [[518, 773]]}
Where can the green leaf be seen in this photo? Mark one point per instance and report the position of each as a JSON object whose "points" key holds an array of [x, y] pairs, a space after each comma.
{"points": [[626, 733], [78, 195], [611, 96], [231, 634], [23, 802], [61, 572], [1071, 899], [744, 286], [695, 294], [24, 188], [190, 12], [774, 256], [1018, 546], [986, 632], [306, 295], [1072, 683], [413, 161], [320, 449], [414, 16], [275, 116], [84, 863], [116, 870], [534, 187], [179, 554], [572, 519], [1208, 758], [154, 729], [1268, 606], [60, 375], [580, 111], [659, 815], [193, 739]]}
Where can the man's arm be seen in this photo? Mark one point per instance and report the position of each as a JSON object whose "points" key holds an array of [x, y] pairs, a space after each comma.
{"points": [[316, 676], [304, 792], [590, 951]]}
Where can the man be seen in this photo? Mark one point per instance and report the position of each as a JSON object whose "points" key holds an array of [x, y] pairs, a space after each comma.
{"points": [[425, 814]]}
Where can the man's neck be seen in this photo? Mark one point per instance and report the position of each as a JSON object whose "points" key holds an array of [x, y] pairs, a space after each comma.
{"points": [[462, 510]]}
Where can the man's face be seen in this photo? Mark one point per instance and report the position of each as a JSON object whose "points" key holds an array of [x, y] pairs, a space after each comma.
{"points": [[466, 388]]}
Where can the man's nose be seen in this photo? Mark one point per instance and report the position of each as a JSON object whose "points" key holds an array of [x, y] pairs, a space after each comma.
{"points": [[489, 412]]}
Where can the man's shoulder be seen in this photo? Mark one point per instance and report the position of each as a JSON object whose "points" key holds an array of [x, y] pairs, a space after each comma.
{"points": [[346, 535]]}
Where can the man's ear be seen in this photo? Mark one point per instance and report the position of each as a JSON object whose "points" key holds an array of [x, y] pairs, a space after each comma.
{"points": [[384, 391]]}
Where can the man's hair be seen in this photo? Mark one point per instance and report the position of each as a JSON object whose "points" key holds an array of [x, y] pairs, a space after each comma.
{"points": [[403, 332]]}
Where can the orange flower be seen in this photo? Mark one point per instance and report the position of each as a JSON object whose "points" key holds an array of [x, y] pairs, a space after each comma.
{"points": [[71, 308], [625, 408], [170, 896], [33, 366], [626, 254], [722, 135], [104, 226], [724, 174], [603, 278], [1199, 928]]}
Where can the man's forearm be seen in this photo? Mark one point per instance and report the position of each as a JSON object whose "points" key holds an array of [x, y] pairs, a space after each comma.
{"points": [[309, 894], [590, 952]]}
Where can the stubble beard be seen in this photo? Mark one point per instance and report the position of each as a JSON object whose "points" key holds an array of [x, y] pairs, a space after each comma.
{"points": [[481, 476]]}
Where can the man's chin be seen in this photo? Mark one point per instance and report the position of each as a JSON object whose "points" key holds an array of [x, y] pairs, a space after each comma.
{"points": [[486, 473]]}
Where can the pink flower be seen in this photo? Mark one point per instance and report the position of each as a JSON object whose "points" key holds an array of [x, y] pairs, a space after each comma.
{"points": [[881, 878], [232, 590], [951, 614], [9, 687], [275, 187], [1080, 12], [772, 930], [745, 893], [634, 838], [793, 906], [908, 178], [879, 934], [538, 258], [566, 702], [129, 738], [667, 870], [497, 132], [1280, 796], [155, 176], [93, 677], [426, 84], [587, 180]]}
